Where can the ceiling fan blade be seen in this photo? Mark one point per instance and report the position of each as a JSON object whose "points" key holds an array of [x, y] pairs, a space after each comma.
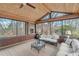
{"points": [[21, 6], [31, 5]]}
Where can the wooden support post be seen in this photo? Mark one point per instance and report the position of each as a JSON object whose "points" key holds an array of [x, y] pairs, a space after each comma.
{"points": [[35, 27]]}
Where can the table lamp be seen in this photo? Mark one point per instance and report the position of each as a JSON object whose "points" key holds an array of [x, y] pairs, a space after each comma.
{"points": [[68, 33]]}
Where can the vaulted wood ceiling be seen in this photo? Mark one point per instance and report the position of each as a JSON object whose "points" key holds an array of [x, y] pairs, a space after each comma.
{"points": [[12, 10]]}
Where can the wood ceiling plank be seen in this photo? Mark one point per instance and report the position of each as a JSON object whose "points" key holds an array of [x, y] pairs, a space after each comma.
{"points": [[5, 14], [46, 7], [26, 13], [63, 7]]}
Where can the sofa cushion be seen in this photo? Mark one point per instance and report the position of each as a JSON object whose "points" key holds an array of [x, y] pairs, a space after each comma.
{"points": [[48, 38]]}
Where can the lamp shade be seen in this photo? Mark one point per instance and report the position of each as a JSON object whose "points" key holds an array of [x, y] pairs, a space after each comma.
{"points": [[68, 32]]}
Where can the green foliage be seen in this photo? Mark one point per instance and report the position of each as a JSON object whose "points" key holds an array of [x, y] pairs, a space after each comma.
{"points": [[68, 27], [65, 28], [75, 33], [8, 28]]}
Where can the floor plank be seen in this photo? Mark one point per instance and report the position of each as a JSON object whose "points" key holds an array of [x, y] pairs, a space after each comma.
{"points": [[25, 50]]}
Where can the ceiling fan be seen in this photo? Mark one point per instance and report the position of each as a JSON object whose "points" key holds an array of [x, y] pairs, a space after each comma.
{"points": [[28, 4]]}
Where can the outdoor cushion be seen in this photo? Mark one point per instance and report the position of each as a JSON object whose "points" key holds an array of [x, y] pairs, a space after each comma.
{"points": [[48, 38]]}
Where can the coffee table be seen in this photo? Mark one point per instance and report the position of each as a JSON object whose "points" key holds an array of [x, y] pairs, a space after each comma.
{"points": [[38, 45]]}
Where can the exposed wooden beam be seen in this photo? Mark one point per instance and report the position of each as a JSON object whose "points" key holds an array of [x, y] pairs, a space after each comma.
{"points": [[66, 17], [43, 16], [62, 12], [35, 27]]}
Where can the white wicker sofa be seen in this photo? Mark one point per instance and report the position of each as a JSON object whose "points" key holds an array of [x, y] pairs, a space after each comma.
{"points": [[49, 38]]}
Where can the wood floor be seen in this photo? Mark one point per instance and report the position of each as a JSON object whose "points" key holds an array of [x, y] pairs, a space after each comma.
{"points": [[24, 49]]}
